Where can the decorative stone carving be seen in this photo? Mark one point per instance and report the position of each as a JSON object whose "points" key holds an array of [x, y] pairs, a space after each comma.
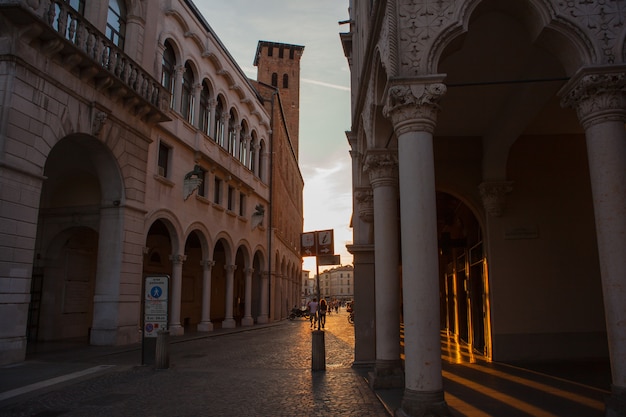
{"points": [[178, 259], [598, 98], [602, 20], [98, 122], [365, 200], [419, 24], [382, 167], [493, 195], [411, 104]]}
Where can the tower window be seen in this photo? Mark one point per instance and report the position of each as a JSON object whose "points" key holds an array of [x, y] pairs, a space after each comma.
{"points": [[281, 51], [274, 79], [285, 81], [270, 51]]}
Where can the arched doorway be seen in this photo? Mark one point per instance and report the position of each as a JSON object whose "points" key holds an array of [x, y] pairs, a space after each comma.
{"points": [[82, 179], [191, 292], [463, 278]]}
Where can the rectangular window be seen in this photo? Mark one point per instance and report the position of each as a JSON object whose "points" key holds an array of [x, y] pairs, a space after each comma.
{"points": [[164, 158], [217, 192], [242, 205], [231, 198], [202, 190]]}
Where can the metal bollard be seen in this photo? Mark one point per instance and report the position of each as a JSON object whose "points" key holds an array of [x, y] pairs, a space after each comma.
{"points": [[162, 355], [318, 356]]}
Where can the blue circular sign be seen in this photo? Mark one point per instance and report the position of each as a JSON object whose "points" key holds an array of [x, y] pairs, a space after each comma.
{"points": [[156, 292]]}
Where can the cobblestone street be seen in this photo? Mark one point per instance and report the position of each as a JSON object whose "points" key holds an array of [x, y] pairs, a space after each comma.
{"points": [[260, 372]]}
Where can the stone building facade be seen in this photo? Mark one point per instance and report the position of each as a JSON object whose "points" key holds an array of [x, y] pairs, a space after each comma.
{"points": [[489, 184], [132, 145]]}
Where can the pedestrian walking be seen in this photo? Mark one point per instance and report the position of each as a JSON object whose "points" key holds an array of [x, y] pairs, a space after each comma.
{"points": [[313, 305], [322, 312]]}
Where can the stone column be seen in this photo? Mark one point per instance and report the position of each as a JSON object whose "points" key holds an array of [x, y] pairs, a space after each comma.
{"points": [[256, 146], [245, 159], [263, 318], [205, 324], [413, 112], [176, 283], [108, 272], [600, 101], [222, 136], [229, 321], [236, 142], [247, 317], [178, 85], [211, 122], [195, 105], [382, 168]]}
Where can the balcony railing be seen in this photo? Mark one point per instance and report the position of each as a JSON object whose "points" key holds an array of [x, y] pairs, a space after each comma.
{"points": [[85, 51]]}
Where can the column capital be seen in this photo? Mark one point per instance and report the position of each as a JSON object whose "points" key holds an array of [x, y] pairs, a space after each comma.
{"points": [[493, 194], [365, 199], [382, 167], [230, 268], [207, 264], [178, 259], [597, 97], [412, 105]]}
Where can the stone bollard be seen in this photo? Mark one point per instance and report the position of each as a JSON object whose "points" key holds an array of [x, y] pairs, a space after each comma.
{"points": [[318, 357], [162, 355]]}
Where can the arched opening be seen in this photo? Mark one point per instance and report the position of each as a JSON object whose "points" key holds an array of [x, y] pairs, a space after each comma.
{"points": [[463, 278], [82, 178], [239, 289], [191, 291], [218, 285]]}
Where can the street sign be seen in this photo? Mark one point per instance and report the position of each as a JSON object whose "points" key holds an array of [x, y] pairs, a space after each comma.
{"points": [[325, 242], [329, 259], [155, 305], [307, 244]]}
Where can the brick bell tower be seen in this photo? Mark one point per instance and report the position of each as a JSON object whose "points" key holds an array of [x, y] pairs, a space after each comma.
{"points": [[278, 65]]}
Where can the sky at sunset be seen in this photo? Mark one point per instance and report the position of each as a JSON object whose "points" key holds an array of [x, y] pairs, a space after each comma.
{"points": [[324, 96]]}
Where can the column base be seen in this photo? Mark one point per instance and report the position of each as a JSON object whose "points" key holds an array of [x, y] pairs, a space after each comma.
{"points": [[229, 324], [262, 320], [423, 404], [205, 326], [616, 402], [176, 330], [247, 321], [103, 337], [386, 375]]}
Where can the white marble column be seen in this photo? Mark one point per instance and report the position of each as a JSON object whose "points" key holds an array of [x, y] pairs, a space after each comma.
{"points": [[229, 321], [205, 324], [176, 284], [382, 168], [264, 317], [413, 112], [247, 318], [600, 101]]}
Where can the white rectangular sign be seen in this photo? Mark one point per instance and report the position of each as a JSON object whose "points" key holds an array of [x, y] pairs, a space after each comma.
{"points": [[155, 305]]}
